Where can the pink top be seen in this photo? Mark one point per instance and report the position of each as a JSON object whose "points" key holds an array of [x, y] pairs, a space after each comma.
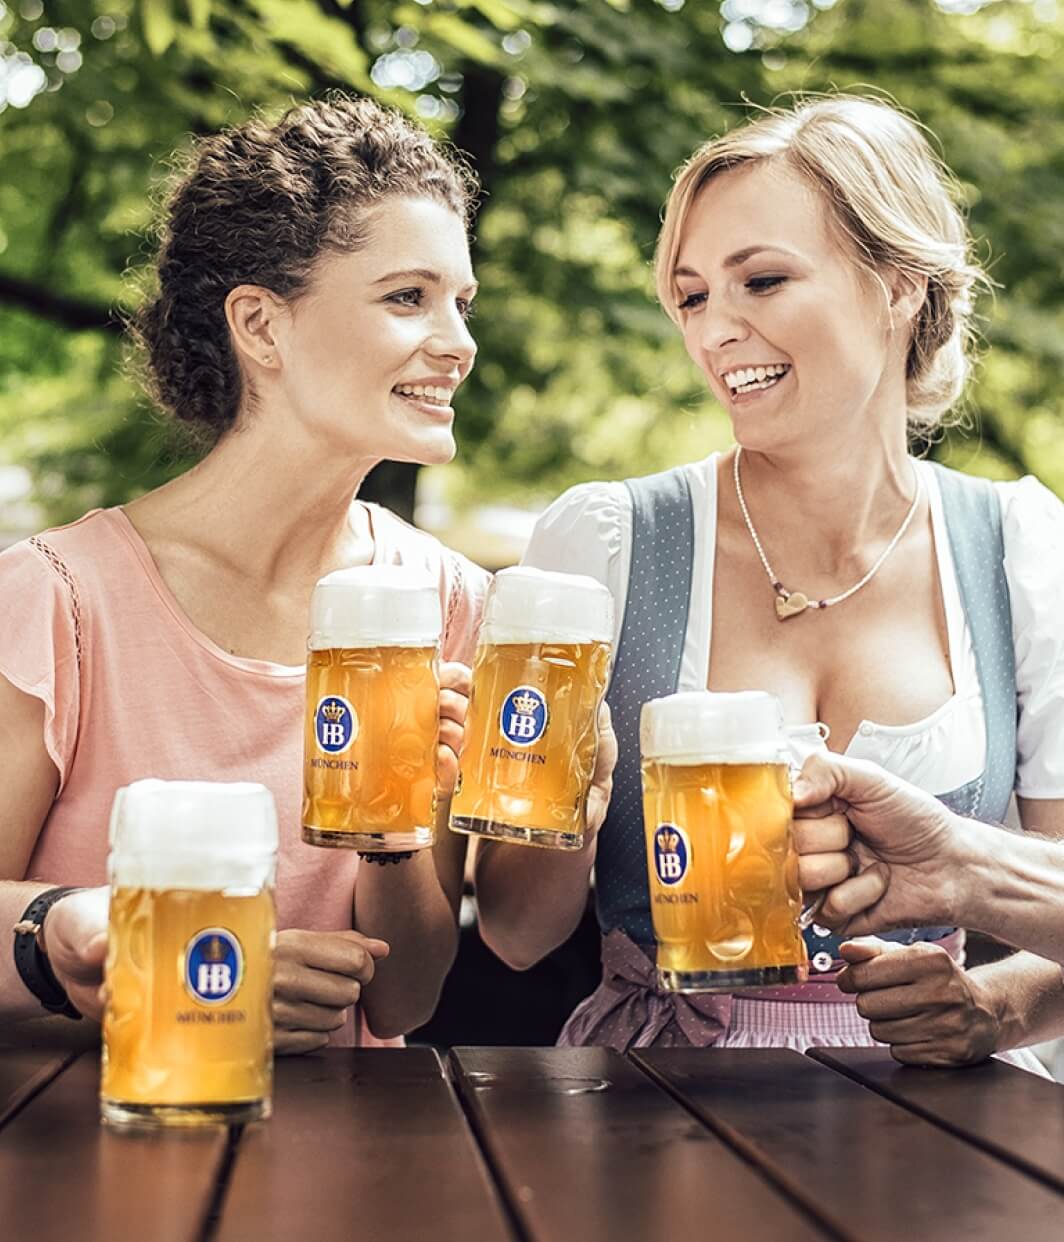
{"points": [[132, 689]]}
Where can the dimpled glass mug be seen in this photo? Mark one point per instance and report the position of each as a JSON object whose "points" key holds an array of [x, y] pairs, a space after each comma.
{"points": [[372, 711], [187, 1027], [722, 867], [531, 734]]}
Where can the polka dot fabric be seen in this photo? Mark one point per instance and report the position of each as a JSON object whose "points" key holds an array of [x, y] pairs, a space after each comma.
{"points": [[647, 667]]}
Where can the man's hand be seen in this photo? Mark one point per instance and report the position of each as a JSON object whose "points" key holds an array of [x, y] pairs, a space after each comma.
{"points": [[75, 942], [598, 797], [456, 682], [888, 854], [318, 976], [921, 1002]]}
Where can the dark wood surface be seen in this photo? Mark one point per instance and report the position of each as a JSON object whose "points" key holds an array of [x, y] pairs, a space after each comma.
{"points": [[368, 1145], [549, 1145], [870, 1169], [591, 1148], [1014, 1115], [64, 1175]]}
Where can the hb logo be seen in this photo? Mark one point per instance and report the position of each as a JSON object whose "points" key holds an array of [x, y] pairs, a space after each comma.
{"points": [[335, 724], [524, 716], [214, 966], [672, 853]]}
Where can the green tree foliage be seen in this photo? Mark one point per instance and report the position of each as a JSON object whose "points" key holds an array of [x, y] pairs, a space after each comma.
{"points": [[575, 113]]}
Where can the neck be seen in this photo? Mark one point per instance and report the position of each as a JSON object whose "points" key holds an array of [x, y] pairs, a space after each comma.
{"points": [[841, 501], [273, 504]]}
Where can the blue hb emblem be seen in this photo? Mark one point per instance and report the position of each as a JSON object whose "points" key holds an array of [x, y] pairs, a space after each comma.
{"points": [[214, 966], [335, 724], [672, 853], [524, 716]]}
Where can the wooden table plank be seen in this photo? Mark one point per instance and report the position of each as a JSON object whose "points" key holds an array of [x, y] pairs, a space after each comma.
{"points": [[1016, 1115], [589, 1147], [25, 1072], [364, 1143], [62, 1173], [873, 1169]]}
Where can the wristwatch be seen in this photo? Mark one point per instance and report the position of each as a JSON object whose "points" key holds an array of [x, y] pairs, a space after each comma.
{"points": [[33, 966]]}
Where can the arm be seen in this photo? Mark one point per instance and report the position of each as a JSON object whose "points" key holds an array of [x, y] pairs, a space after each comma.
{"points": [[530, 901], [1026, 992], [890, 855], [917, 862], [413, 905], [76, 928]]}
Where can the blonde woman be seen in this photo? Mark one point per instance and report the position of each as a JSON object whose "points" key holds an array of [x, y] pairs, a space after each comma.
{"points": [[820, 272]]}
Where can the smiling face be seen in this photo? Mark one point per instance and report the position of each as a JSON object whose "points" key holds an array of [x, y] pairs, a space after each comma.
{"points": [[374, 350], [793, 336]]}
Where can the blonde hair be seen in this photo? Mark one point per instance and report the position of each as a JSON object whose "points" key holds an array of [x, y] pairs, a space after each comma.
{"points": [[892, 197]]}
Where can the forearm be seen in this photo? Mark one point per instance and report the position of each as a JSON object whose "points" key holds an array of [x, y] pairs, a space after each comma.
{"points": [[405, 905], [1013, 889], [1027, 993], [16, 1000], [529, 901]]}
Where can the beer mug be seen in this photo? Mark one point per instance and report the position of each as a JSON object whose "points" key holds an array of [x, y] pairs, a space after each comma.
{"points": [[373, 702], [539, 675], [187, 1025], [722, 866]]}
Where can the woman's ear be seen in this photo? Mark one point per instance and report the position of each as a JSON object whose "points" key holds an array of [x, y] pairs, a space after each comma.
{"points": [[255, 317], [907, 292]]}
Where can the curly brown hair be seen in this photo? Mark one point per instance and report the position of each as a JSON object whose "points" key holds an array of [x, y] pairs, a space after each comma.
{"points": [[259, 204]]}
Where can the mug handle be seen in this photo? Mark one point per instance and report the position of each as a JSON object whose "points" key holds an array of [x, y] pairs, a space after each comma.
{"points": [[810, 908]]}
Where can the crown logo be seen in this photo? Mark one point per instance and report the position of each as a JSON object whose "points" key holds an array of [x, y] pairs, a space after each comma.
{"points": [[214, 950], [333, 712], [525, 704], [668, 840]]}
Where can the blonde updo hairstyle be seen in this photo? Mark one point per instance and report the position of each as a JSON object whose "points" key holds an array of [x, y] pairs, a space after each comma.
{"points": [[891, 196]]}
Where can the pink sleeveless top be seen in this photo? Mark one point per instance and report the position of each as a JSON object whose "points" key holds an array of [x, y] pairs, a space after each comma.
{"points": [[131, 689]]}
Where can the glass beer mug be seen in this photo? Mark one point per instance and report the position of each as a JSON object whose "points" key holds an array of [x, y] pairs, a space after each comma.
{"points": [[722, 867], [372, 720], [187, 1025], [531, 735]]}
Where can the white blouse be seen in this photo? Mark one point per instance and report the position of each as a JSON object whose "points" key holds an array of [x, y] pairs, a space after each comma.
{"points": [[589, 530]]}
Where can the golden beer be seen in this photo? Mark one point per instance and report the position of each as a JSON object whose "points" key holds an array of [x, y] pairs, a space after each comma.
{"points": [[518, 780], [187, 1026], [721, 862], [372, 726], [377, 792], [169, 1043], [531, 733]]}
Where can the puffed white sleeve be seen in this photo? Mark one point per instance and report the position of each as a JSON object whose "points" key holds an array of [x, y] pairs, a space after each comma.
{"points": [[588, 530], [1033, 529]]}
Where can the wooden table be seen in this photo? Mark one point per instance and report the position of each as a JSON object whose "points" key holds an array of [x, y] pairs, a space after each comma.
{"points": [[505, 1144]]}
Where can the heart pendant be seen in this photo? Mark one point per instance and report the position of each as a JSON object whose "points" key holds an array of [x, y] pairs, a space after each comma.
{"points": [[790, 605]]}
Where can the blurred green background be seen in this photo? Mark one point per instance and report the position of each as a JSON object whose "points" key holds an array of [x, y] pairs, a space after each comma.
{"points": [[575, 113]]}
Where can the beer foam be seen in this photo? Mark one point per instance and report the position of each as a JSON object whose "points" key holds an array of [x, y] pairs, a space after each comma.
{"points": [[706, 726], [374, 606], [527, 605], [193, 834]]}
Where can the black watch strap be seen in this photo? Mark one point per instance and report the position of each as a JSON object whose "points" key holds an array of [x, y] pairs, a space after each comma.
{"points": [[33, 966]]}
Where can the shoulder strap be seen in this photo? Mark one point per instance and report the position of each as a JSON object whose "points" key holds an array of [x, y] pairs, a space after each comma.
{"points": [[647, 666], [973, 520]]}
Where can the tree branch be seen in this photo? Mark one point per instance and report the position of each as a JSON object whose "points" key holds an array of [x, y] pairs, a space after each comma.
{"points": [[352, 16], [70, 312]]}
